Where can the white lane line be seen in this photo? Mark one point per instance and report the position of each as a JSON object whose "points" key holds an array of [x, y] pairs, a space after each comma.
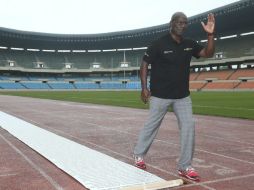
{"points": [[228, 179], [7, 175], [221, 107], [50, 180], [228, 140], [218, 180], [235, 122], [93, 169]]}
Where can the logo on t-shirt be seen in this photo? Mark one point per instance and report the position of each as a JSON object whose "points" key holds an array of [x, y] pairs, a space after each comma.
{"points": [[168, 51], [187, 49]]}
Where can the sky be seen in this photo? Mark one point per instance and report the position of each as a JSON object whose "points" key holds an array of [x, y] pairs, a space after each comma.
{"points": [[96, 16]]}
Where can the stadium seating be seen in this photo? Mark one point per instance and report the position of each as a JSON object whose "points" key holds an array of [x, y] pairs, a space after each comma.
{"points": [[53, 74], [236, 47], [197, 85], [11, 85], [53, 60], [203, 80], [248, 85], [86, 85], [218, 75], [221, 85], [243, 74], [23, 59], [35, 85], [61, 85]]}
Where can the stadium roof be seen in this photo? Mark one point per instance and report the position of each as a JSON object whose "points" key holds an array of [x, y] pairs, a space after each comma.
{"points": [[230, 19]]}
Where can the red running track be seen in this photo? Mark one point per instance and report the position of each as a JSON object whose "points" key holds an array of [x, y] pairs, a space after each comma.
{"points": [[224, 154]]}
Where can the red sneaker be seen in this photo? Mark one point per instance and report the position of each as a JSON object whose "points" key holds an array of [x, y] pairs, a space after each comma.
{"points": [[139, 162], [189, 173]]}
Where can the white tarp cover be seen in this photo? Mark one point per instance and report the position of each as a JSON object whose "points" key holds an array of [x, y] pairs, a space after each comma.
{"points": [[96, 171]]}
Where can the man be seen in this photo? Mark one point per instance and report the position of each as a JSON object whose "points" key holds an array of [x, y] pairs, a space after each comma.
{"points": [[170, 57]]}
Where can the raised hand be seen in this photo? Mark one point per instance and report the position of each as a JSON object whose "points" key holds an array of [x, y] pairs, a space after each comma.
{"points": [[210, 25]]}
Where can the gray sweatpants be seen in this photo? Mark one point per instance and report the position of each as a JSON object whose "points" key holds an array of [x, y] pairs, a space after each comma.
{"points": [[183, 111]]}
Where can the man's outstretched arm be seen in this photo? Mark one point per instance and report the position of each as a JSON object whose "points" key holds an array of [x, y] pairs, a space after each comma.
{"points": [[208, 51]]}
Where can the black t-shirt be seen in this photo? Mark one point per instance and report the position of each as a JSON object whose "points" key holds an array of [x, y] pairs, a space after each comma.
{"points": [[170, 66]]}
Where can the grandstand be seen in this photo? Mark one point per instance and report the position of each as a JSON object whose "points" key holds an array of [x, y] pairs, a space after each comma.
{"points": [[42, 61]]}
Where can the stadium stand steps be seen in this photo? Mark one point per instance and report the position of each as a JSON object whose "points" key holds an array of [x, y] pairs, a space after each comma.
{"points": [[23, 85], [231, 75], [236, 86]]}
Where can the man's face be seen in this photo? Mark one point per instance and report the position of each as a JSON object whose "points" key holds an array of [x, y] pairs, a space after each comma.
{"points": [[179, 25]]}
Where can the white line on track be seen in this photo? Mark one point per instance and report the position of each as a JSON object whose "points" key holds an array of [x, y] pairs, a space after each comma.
{"points": [[8, 174], [221, 107], [40, 170], [228, 179], [228, 140]]}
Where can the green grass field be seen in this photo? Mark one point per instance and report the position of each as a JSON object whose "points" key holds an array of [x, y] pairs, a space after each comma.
{"points": [[227, 104]]}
